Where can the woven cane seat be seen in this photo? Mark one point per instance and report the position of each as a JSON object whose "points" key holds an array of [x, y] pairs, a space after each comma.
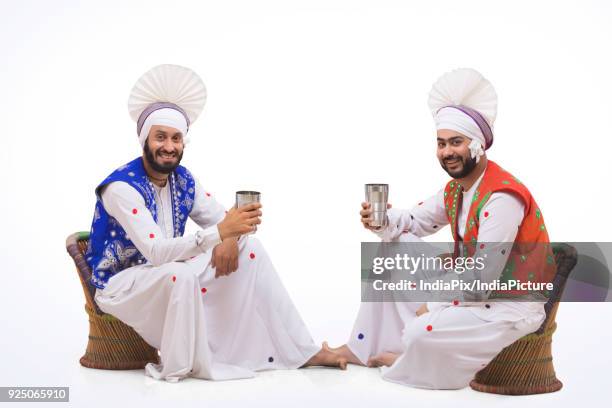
{"points": [[526, 366], [112, 344]]}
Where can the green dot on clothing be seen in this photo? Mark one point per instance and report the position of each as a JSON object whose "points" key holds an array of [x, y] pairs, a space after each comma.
{"points": [[505, 182], [542, 227], [538, 213]]}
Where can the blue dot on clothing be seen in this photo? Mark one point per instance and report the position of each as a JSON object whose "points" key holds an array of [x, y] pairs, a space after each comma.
{"points": [[270, 359], [360, 336]]}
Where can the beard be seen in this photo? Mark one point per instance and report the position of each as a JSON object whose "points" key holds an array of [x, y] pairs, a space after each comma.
{"points": [[467, 165], [161, 168]]}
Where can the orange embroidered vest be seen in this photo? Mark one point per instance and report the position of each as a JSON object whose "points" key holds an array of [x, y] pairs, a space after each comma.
{"points": [[531, 257]]}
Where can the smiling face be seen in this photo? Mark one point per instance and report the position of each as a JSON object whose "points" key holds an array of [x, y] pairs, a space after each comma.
{"points": [[454, 153], [164, 148]]}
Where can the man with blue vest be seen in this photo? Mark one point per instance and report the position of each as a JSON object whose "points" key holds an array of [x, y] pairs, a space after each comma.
{"points": [[164, 283]]}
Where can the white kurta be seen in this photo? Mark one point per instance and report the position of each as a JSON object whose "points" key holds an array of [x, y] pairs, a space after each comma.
{"points": [[444, 348], [208, 328]]}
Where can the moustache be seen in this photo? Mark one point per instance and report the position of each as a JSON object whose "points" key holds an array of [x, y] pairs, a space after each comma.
{"points": [[450, 158], [160, 152]]}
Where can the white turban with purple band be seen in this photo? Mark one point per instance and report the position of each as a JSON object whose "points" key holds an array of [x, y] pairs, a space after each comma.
{"points": [[166, 95], [464, 101]]}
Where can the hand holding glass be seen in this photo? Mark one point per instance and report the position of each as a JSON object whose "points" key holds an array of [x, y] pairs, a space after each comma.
{"points": [[245, 198]]}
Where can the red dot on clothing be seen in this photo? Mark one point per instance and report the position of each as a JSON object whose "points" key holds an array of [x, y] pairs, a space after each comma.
{"points": [[455, 302], [482, 246], [174, 279], [252, 255], [486, 214], [151, 235], [429, 328], [134, 211], [207, 194], [203, 290]]}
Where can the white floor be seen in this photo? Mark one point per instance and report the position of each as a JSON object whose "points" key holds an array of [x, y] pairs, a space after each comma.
{"points": [[47, 353]]}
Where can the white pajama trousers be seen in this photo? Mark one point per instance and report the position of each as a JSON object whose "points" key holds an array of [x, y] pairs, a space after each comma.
{"points": [[216, 329], [444, 348]]}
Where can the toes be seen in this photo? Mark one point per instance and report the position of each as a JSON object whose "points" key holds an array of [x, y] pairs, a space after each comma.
{"points": [[325, 347], [374, 362]]}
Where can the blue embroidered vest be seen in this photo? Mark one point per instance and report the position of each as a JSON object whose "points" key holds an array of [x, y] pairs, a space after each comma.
{"points": [[110, 250]]}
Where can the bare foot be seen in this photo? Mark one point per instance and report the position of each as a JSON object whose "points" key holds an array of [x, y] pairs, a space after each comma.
{"points": [[343, 351], [385, 358], [327, 357]]}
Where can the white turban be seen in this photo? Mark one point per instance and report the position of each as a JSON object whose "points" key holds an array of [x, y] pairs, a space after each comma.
{"points": [[163, 117], [464, 101], [168, 95], [454, 119]]}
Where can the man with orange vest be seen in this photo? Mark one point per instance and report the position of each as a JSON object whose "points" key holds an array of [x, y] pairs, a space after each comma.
{"points": [[441, 345]]}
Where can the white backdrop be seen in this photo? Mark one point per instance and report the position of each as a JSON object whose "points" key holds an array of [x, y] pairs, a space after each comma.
{"points": [[308, 100]]}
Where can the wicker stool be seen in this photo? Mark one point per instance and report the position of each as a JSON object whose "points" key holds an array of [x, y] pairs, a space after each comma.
{"points": [[112, 344], [526, 367]]}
